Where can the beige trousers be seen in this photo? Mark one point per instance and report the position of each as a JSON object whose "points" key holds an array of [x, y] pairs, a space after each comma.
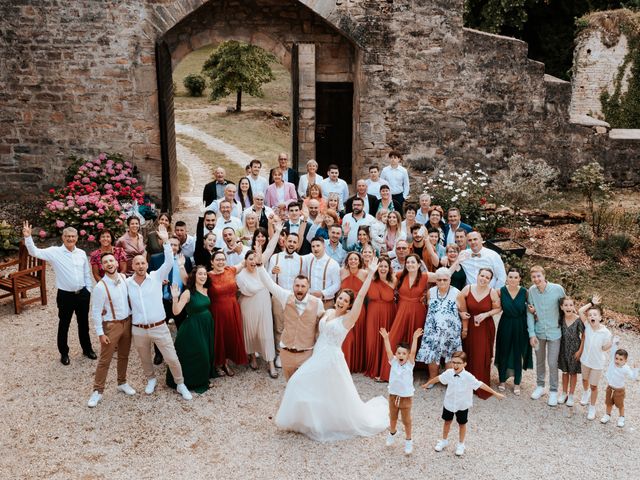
{"points": [[278, 321], [292, 361], [161, 336], [119, 335]]}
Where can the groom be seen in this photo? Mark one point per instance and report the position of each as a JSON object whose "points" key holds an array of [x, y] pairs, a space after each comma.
{"points": [[302, 312]]}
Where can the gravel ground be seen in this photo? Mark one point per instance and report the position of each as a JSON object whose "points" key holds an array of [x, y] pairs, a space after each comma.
{"points": [[229, 432]]}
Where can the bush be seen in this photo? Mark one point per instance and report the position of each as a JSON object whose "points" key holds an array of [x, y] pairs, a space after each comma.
{"points": [[612, 247], [194, 83], [96, 197], [9, 238]]}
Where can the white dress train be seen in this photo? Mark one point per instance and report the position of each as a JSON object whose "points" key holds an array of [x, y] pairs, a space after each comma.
{"points": [[321, 400]]}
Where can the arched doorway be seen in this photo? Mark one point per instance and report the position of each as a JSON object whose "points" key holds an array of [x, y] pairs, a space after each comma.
{"points": [[322, 65]]}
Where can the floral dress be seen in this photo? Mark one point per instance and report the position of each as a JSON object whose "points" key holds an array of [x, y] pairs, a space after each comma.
{"points": [[442, 327], [569, 345]]}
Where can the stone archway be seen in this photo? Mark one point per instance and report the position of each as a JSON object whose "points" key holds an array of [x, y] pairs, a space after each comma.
{"points": [[296, 32]]}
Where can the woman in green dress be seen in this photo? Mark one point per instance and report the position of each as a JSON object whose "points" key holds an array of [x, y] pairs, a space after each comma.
{"points": [[513, 351], [194, 342]]}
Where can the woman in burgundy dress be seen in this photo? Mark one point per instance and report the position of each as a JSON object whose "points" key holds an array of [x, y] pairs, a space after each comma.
{"points": [[381, 309], [352, 276], [478, 328], [225, 310]]}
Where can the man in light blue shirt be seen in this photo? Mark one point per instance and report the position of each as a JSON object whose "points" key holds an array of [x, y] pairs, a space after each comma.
{"points": [[333, 246], [544, 330]]}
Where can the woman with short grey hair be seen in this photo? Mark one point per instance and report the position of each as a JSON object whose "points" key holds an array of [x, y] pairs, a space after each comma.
{"points": [[443, 325], [309, 178]]}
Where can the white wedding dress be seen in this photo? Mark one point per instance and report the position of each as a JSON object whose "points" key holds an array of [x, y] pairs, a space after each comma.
{"points": [[321, 400]]}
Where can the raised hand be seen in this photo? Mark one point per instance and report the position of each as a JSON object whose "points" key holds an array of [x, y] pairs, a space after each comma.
{"points": [[596, 299], [175, 291], [346, 227], [384, 333], [181, 260], [373, 265], [26, 229], [162, 233], [418, 333]]}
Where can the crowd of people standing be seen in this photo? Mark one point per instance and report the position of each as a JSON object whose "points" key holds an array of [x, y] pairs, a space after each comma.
{"points": [[270, 254]]}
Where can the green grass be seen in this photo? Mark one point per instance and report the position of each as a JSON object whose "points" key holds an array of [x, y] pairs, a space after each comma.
{"points": [[213, 158]]}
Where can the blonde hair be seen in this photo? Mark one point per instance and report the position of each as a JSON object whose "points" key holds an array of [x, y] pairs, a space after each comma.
{"points": [[537, 268]]}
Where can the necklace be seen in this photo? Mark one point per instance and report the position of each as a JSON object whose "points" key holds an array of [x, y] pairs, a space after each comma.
{"points": [[445, 295]]}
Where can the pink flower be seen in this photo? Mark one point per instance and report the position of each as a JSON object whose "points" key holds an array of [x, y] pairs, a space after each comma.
{"points": [[85, 180], [42, 233], [100, 225], [102, 156], [91, 238], [83, 233], [59, 224], [101, 211]]}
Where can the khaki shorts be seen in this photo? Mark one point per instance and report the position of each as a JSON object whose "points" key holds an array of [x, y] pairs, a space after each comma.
{"points": [[401, 405], [614, 396], [591, 375]]}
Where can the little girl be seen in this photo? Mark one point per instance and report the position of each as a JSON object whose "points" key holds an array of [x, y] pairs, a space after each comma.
{"points": [[593, 359], [571, 345]]}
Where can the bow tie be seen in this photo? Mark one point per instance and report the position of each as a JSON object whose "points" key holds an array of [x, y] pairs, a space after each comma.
{"points": [[475, 255], [288, 256], [456, 375], [231, 252], [229, 221], [300, 302]]}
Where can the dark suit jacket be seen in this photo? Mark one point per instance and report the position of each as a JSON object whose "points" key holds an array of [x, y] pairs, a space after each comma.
{"points": [[209, 194], [306, 245], [373, 205], [293, 177], [464, 226]]}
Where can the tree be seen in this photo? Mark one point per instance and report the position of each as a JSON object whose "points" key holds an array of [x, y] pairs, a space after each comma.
{"points": [[238, 67]]}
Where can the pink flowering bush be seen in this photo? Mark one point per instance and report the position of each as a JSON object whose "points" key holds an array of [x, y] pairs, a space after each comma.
{"points": [[92, 199]]}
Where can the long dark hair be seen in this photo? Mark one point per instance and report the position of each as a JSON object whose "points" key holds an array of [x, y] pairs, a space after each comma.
{"points": [[257, 231], [249, 193], [191, 281], [376, 276], [405, 272]]}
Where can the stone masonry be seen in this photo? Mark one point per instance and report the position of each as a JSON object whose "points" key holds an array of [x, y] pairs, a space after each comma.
{"points": [[79, 76]]}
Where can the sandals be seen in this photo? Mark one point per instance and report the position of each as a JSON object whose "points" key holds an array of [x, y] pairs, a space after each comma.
{"points": [[273, 373], [516, 390], [227, 369], [502, 387], [253, 363]]}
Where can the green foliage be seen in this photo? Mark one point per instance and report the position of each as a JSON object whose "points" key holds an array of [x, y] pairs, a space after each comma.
{"points": [[9, 238], [622, 109], [590, 181], [496, 15], [238, 67], [611, 247], [195, 84]]}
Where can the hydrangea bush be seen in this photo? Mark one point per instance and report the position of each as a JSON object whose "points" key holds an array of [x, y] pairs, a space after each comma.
{"points": [[470, 191], [94, 198]]}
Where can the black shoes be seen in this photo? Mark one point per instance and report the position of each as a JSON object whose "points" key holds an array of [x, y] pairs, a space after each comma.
{"points": [[157, 359], [92, 355], [64, 359]]}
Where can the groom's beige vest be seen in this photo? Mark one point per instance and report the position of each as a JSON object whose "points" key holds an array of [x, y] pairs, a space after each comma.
{"points": [[300, 330]]}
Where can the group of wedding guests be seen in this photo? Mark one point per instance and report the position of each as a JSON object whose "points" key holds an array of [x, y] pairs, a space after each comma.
{"points": [[308, 237]]}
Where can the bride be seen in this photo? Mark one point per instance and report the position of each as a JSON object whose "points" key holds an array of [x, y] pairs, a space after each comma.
{"points": [[321, 400]]}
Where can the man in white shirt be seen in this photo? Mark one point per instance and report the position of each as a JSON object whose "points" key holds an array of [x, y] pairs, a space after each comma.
{"points": [[234, 249], [398, 178], [333, 246], [334, 184], [148, 317], [323, 273], [481, 257], [230, 197], [225, 220], [374, 182], [284, 267], [422, 215], [258, 184], [74, 283], [112, 320], [357, 218]]}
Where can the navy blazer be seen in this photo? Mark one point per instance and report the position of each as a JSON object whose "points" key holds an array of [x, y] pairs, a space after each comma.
{"points": [[210, 193], [464, 226], [373, 205]]}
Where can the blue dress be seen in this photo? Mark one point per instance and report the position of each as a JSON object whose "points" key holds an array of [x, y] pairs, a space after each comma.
{"points": [[442, 327]]}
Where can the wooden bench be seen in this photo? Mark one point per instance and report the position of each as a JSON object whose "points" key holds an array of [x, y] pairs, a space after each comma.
{"points": [[28, 273]]}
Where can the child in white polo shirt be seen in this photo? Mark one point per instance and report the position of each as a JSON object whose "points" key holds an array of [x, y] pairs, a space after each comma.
{"points": [[458, 398], [401, 387], [616, 376]]}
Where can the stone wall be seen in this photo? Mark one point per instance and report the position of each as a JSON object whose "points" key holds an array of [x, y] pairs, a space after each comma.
{"points": [[77, 77]]}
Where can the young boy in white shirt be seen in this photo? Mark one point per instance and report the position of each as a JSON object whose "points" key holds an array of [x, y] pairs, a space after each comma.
{"points": [[616, 375], [458, 398], [401, 387]]}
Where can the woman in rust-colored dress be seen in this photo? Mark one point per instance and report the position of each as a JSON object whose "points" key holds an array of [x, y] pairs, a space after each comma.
{"points": [[381, 310], [227, 320], [352, 276], [482, 302], [412, 285]]}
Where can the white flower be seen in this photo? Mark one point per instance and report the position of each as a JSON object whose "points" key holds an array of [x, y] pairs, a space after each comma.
{"points": [[476, 165], [458, 190], [454, 198], [464, 194], [482, 218], [483, 184]]}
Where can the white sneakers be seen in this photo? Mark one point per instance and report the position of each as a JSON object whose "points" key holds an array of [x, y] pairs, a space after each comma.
{"points": [[537, 393], [390, 439], [570, 400], [151, 386], [621, 422], [126, 389], [95, 399], [278, 362], [441, 445], [586, 396], [591, 412], [562, 398], [553, 399], [460, 449], [408, 447], [605, 418], [184, 391]]}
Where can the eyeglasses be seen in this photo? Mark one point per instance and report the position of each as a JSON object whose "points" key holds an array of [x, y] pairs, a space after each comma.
{"points": [[402, 248], [442, 279]]}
